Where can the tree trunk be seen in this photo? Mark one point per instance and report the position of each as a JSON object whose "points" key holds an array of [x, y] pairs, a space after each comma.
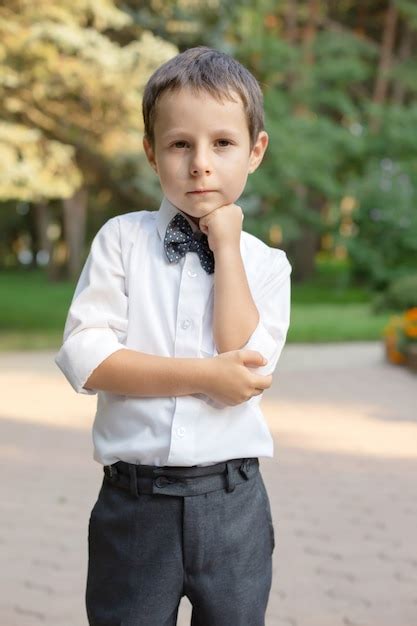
{"points": [[403, 54], [39, 228], [385, 59], [291, 21], [309, 33], [75, 219], [303, 253], [303, 250]]}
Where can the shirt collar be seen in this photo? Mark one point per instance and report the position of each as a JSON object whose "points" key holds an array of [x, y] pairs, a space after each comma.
{"points": [[165, 214]]}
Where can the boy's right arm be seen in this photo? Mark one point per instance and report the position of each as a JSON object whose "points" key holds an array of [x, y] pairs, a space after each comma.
{"points": [[132, 373], [225, 378]]}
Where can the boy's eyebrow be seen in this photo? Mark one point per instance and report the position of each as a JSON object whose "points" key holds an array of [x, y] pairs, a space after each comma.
{"points": [[184, 131]]}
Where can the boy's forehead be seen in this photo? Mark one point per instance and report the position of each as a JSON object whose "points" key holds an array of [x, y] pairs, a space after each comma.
{"points": [[179, 94], [177, 110]]}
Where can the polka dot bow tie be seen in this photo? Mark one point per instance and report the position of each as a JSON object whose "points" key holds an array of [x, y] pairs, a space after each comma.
{"points": [[180, 239]]}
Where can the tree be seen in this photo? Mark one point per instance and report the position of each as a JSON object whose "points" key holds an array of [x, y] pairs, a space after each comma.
{"points": [[70, 98], [340, 89], [340, 85]]}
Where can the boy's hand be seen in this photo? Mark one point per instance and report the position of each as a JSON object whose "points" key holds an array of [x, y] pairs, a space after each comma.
{"points": [[228, 379], [223, 226]]}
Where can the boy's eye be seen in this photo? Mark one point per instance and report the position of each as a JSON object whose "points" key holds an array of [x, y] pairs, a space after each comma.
{"points": [[222, 143]]}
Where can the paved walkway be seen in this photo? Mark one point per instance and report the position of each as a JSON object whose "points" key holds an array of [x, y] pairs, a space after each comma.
{"points": [[342, 487]]}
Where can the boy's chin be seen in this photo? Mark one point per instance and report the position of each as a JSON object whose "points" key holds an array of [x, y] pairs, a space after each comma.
{"points": [[203, 212], [196, 219]]}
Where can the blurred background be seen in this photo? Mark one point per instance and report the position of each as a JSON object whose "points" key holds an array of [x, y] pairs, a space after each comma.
{"points": [[337, 191]]}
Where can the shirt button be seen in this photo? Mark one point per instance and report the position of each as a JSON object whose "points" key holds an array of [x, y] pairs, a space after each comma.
{"points": [[181, 431], [191, 273], [186, 323]]}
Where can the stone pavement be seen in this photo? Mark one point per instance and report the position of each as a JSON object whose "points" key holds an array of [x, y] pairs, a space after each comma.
{"points": [[342, 488]]}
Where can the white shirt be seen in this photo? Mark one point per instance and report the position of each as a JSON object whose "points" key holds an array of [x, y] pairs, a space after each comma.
{"points": [[129, 296]]}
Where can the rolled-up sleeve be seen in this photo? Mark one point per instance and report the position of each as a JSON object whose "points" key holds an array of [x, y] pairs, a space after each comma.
{"points": [[96, 324], [272, 297]]}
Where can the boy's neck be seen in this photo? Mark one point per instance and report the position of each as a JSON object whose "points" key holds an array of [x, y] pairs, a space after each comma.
{"points": [[196, 220]]}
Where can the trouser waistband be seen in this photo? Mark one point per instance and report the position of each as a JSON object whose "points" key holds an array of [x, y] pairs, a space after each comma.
{"points": [[180, 481]]}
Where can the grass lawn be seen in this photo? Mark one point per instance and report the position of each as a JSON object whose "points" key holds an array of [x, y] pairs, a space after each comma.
{"points": [[33, 311], [328, 309]]}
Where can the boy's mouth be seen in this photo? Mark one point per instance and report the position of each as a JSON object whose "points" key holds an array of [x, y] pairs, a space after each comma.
{"points": [[201, 191]]}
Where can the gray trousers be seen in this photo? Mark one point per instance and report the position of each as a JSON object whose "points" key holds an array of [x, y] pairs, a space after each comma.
{"points": [[210, 538]]}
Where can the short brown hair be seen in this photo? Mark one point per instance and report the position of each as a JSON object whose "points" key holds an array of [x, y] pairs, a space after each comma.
{"points": [[205, 69]]}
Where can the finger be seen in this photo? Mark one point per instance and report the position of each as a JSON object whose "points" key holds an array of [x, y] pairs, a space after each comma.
{"points": [[251, 356], [263, 382]]}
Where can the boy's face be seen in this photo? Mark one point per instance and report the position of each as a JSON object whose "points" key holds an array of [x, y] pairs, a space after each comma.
{"points": [[202, 151]]}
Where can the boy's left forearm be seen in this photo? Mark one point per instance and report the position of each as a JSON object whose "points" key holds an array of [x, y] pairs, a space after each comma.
{"points": [[235, 315]]}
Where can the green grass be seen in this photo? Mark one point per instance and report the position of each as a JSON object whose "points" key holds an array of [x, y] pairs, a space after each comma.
{"points": [[335, 322], [328, 309], [30, 302], [33, 310]]}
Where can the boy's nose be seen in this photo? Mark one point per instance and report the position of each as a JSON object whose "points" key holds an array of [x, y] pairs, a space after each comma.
{"points": [[200, 164]]}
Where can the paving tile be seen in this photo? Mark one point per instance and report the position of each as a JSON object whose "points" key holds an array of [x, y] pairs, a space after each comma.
{"points": [[341, 487]]}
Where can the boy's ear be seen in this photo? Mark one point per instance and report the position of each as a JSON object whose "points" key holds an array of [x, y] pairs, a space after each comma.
{"points": [[150, 155], [258, 151]]}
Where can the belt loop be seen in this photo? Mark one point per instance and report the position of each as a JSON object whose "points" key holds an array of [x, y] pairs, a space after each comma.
{"points": [[229, 476], [244, 468], [111, 472], [133, 480]]}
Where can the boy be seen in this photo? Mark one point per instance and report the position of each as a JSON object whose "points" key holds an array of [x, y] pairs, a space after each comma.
{"points": [[171, 318]]}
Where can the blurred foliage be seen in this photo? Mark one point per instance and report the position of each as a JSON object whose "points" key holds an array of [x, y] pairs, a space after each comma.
{"points": [[400, 295], [322, 67], [70, 98], [385, 246], [340, 92]]}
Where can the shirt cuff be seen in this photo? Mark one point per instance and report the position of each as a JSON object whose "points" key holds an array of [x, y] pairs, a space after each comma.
{"points": [[83, 352], [262, 341]]}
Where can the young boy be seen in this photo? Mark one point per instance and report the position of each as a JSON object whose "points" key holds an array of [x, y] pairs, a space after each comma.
{"points": [[171, 319]]}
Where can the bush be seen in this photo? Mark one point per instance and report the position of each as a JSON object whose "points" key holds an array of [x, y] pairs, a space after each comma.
{"points": [[384, 247], [400, 295]]}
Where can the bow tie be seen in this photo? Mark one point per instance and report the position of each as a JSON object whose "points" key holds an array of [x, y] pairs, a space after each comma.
{"points": [[180, 239]]}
